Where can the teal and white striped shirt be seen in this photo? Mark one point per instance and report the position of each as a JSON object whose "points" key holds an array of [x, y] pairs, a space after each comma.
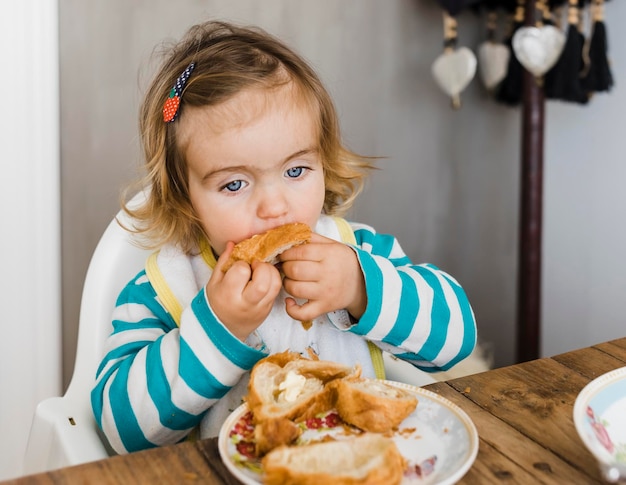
{"points": [[164, 374]]}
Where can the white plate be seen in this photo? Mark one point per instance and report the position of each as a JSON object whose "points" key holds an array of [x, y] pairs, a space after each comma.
{"points": [[600, 420], [438, 440]]}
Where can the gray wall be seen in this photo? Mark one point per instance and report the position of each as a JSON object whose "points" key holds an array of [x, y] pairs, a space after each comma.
{"points": [[448, 187]]}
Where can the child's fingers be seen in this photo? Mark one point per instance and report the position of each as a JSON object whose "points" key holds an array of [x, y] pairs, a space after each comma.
{"points": [[265, 283], [221, 261], [238, 274], [301, 271], [307, 311], [317, 238], [308, 290], [313, 251]]}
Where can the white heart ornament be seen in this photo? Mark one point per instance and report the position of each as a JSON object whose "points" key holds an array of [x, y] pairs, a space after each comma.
{"points": [[493, 63], [538, 48], [453, 70]]}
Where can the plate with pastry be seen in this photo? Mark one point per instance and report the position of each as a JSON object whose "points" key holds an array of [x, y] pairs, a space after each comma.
{"points": [[309, 421]]}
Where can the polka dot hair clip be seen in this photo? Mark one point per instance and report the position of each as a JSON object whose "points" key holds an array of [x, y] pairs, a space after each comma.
{"points": [[172, 103]]}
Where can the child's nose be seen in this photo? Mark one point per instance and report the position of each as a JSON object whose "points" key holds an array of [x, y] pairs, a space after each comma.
{"points": [[272, 203]]}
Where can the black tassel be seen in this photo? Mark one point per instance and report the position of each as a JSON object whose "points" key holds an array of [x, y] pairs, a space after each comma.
{"points": [[563, 81], [510, 89], [599, 77]]}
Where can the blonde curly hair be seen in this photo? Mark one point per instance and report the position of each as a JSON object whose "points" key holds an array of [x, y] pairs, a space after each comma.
{"points": [[228, 59]]}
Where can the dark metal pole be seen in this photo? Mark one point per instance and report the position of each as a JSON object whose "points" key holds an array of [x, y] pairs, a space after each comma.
{"points": [[531, 185]]}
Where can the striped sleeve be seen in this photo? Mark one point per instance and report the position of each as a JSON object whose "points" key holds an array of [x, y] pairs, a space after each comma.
{"points": [[416, 312], [156, 380]]}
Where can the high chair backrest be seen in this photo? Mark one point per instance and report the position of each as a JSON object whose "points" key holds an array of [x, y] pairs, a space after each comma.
{"points": [[64, 431], [116, 259]]}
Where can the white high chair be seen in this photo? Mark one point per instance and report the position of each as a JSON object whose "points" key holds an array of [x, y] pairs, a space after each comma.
{"points": [[64, 431]]}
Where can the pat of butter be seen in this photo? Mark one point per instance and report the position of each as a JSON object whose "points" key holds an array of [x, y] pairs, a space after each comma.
{"points": [[292, 386], [384, 389]]}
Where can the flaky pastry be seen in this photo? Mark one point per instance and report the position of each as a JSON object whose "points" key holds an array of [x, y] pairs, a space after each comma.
{"points": [[269, 245]]}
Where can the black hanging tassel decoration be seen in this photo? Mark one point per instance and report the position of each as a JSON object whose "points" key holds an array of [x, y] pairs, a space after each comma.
{"points": [[563, 81], [510, 89], [598, 77]]}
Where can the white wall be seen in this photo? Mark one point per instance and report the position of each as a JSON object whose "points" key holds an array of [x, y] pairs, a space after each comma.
{"points": [[585, 209], [30, 363]]}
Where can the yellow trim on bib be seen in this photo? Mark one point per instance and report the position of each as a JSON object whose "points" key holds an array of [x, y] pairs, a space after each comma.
{"points": [[163, 291], [377, 360], [206, 251], [345, 231]]}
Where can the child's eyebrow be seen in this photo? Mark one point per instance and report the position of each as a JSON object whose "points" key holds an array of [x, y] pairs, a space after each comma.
{"points": [[243, 168], [299, 153]]}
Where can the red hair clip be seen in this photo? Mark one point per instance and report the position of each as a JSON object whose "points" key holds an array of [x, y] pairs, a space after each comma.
{"points": [[172, 103]]}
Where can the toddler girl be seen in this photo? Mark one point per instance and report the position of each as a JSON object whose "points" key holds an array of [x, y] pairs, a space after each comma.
{"points": [[240, 136]]}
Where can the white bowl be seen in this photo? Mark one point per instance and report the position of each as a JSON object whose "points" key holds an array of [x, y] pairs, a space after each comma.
{"points": [[600, 419]]}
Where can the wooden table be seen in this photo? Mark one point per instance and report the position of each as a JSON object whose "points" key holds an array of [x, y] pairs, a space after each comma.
{"points": [[523, 414]]}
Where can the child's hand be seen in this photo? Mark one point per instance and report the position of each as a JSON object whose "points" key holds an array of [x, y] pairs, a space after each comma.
{"points": [[243, 297], [327, 274]]}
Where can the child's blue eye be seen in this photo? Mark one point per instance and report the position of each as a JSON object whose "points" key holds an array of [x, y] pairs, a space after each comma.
{"points": [[233, 186], [295, 172]]}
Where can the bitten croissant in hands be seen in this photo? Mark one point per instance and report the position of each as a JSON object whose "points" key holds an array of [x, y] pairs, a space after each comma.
{"points": [[269, 245]]}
